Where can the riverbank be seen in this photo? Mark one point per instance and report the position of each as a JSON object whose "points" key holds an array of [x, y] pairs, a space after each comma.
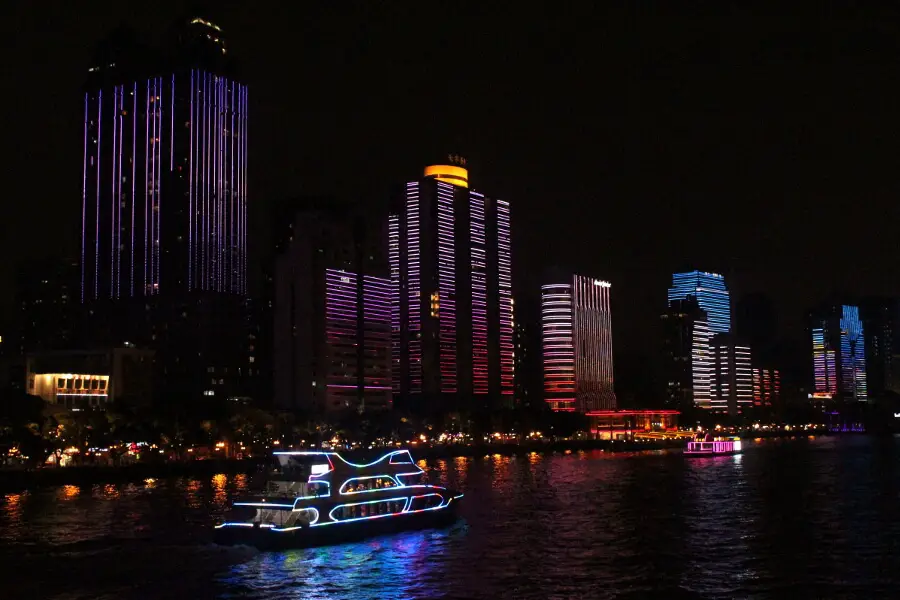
{"points": [[13, 479]]}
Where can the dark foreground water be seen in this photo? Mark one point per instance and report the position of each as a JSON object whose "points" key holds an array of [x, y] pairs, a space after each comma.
{"points": [[808, 518]]}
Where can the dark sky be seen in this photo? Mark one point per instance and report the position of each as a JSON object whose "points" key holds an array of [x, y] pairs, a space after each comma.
{"points": [[630, 143]]}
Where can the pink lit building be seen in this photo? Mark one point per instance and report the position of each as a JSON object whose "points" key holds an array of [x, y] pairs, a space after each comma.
{"points": [[577, 345], [452, 307]]}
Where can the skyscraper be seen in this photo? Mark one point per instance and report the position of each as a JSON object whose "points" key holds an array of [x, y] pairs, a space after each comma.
{"points": [[452, 309], [164, 185], [838, 345], [332, 327], [711, 294], [164, 208], [881, 321], [577, 345], [731, 378], [686, 358]]}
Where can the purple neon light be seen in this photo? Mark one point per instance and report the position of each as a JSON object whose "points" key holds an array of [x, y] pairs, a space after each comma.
{"points": [[97, 224], [84, 193], [133, 176]]}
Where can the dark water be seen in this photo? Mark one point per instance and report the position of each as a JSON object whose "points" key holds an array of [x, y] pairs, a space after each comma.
{"points": [[808, 518]]}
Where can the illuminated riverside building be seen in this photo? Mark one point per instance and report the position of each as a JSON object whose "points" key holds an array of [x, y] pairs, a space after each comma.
{"points": [[686, 354], [766, 387], [709, 292], [163, 253], [332, 317], [731, 379], [838, 352], [577, 345], [452, 310]]}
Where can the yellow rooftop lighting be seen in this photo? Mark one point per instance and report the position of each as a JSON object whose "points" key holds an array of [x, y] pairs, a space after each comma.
{"points": [[449, 174]]}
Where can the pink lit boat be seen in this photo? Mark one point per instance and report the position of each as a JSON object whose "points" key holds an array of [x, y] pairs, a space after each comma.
{"points": [[714, 447]]}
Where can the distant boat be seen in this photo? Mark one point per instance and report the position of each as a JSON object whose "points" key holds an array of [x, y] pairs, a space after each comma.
{"points": [[318, 498], [714, 447]]}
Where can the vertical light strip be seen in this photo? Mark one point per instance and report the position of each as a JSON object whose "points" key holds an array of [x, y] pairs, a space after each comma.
{"points": [[446, 288], [97, 224], [159, 169], [743, 377], [172, 127], [504, 275], [394, 262], [701, 363], [853, 357], [234, 248], [84, 193], [191, 264], [478, 253], [414, 285], [146, 188], [558, 346], [120, 109], [112, 196], [134, 116]]}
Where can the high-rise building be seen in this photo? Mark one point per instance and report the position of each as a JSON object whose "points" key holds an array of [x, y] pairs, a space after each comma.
{"points": [[47, 306], [164, 207], [838, 345], [686, 359], [766, 387], [881, 321], [332, 315], [731, 380], [452, 310], [711, 294], [577, 345]]}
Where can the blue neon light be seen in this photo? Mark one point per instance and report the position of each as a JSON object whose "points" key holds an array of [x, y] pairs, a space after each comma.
{"points": [[264, 504], [373, 463], [711, 293], [333, 520], [409, 458]]}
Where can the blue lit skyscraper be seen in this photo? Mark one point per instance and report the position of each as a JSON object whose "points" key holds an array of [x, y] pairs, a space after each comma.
{"points": [[711, 294], [839, 359]]}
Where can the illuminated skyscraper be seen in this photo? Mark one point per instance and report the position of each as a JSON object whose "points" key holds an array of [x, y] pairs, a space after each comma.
{"points": [[452, 309], [577, 345], [838, 344], [686, 354], [711, 294], [731, 379], [766, 387], [332, 326], [164, 186], [164, 207]]}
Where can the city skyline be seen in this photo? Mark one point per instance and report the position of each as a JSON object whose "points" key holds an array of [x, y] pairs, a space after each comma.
{"points": [[679, 194]]}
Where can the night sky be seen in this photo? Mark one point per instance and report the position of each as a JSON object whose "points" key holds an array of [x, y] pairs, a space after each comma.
{"points": [[630, 143]]}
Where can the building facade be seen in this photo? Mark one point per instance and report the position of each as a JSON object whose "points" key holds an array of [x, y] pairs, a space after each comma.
{"points": [[766, 388], [711, 293], [731, 379], [711, 370], [577, 345], [164, 209], [686, 355], [452, 308], [91, 379], [838, 352], [881, 320], [332, 311]]}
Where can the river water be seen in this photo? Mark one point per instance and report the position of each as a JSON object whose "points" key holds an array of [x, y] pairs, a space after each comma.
{"points": [[808, 518]]}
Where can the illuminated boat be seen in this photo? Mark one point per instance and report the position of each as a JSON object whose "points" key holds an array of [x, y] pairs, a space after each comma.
{"points": [[714, 447], [317, 498]]}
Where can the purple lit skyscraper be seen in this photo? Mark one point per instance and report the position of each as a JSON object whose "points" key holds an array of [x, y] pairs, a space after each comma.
{"points": [[451, 270]]}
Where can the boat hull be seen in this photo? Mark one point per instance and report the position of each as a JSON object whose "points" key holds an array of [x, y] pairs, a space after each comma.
{"points": [[308, 537], [708, 454]]}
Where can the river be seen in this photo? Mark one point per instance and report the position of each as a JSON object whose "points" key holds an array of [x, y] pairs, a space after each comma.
{"points": [[808, 518]]}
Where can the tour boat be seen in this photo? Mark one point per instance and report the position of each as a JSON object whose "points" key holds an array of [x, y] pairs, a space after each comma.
{"points": [[316, 498], [714, 447]]}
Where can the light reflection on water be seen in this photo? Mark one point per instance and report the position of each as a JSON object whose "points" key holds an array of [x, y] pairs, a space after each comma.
{"points": [[809, 518]]}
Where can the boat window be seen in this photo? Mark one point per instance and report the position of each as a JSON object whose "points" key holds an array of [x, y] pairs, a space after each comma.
{"points": [[369, 509], [298, 467], [401, 458], [318, 488], [367, 484]]}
